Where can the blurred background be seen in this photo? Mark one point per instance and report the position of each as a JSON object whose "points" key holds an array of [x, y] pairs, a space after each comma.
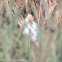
{"points": [[15, 47]]}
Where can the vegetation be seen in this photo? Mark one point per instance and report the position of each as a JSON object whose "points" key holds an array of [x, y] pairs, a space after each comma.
{"points": [[14, 47]]}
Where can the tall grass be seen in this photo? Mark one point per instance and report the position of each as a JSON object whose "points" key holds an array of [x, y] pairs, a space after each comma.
{"points": [[14, 47]]}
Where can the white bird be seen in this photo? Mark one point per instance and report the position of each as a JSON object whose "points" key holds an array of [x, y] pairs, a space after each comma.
{"points": [[31, 28]]}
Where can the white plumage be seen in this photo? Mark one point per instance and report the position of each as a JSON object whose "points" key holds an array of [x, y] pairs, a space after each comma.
{"points": [[26, 31], [31, 29]]}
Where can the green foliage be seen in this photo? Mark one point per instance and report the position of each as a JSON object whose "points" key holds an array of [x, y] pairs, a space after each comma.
{"points": [[13, 45]]}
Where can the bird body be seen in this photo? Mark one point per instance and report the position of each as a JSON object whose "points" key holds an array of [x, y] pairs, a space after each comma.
{"points": [[31, 29]]}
